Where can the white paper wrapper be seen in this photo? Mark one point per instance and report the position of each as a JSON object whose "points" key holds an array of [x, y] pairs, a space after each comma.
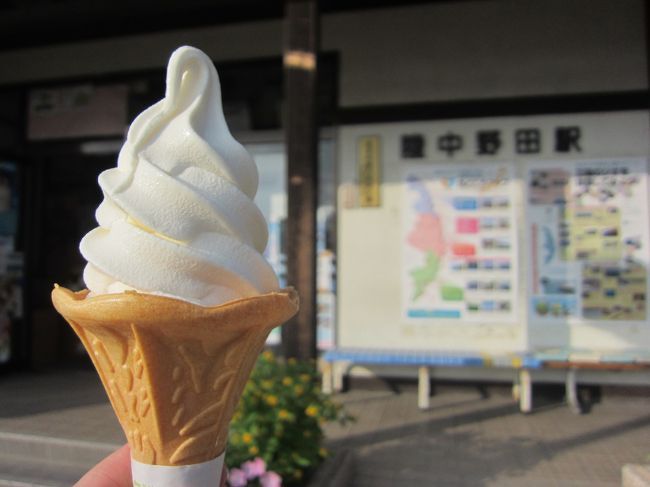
{"points": [[206, 474]]}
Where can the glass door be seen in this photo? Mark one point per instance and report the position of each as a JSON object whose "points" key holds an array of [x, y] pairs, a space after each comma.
{"points": [[271, 198]]}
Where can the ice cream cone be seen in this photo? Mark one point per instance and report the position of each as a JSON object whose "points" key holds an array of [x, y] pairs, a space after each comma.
{"points": [[173, 371]]}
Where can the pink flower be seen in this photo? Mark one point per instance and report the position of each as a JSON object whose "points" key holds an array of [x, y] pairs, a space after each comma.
{"points": [[254, 468], [237, 478], [271, 479]]}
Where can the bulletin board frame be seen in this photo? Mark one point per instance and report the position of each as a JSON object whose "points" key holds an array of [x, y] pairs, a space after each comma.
{"points": [[371, 275]]}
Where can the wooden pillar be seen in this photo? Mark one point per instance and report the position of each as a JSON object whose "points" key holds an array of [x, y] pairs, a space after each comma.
{"points": [[646, 6], [300, 68]]}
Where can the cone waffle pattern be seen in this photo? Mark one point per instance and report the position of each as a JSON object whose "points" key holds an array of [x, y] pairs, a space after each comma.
{"points": [[173, 371]]}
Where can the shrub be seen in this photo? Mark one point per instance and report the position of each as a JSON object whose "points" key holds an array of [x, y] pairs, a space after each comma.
{"points": [[279, 419]]}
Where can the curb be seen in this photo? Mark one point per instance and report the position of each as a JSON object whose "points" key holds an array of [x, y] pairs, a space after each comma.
{"points": [[54, 450], [336, 471], [636, 475]]}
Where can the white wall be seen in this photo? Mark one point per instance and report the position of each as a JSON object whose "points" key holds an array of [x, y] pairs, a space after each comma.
{"points": [[442, 51]]}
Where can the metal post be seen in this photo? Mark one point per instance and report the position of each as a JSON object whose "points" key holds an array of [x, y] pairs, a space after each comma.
{"points": [[571, 388], [525, 391], [424, 387]]}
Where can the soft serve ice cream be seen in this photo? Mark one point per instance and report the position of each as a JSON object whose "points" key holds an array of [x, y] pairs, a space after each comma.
{"points": [[177, 220], [178, 217]]}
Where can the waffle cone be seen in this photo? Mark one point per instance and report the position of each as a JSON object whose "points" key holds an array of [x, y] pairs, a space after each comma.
{"points": [[174, 371]]}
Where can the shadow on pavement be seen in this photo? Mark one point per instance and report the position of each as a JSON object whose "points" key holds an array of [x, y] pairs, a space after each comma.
{"points": [[476, 448], [24, 394]]}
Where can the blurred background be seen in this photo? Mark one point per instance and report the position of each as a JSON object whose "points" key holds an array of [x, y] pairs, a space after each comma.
{"points": [[457, 188]]}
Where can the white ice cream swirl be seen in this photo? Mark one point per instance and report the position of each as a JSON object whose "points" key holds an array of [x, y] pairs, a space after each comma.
{"points": [[178, 217]]}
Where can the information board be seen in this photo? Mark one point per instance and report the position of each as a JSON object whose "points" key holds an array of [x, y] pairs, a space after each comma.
{"points": [[498, 235], [459, 246], [587, 240]]}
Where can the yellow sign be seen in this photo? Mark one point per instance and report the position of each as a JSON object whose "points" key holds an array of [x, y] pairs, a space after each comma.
{"points": [[593, 234], [369, 171]]}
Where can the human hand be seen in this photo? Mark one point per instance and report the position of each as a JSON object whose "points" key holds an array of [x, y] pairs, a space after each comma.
{"points": [[112, 471], [115, 471]]}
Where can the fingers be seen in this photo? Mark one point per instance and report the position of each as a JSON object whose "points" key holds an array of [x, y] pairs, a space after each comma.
{"points": [[224, 476], [112, 471]]}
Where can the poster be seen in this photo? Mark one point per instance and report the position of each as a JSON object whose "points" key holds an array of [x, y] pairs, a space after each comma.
{"points": [[588, 240], [459, 262], [11, 262], [369, 171], [325, 278]]}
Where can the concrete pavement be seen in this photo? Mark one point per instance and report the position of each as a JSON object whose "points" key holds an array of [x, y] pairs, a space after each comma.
{"points": [[468, 439]]}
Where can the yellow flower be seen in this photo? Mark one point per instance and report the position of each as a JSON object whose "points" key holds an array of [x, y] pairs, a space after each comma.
{"points": [[306, 434], [247, 438], [268, 356], [253, 450], [291, 361], [287, 381], [267, 384], [271, 400], [284, 414], [311, 411], [297, 474], [235, 438], [322, 452], [298, 390], [305, 377]]}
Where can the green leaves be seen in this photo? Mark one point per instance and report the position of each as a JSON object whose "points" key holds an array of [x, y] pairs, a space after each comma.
{"points": [[280, 417]]}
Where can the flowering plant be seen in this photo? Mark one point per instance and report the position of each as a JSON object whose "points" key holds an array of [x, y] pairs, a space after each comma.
{"points": [[255, 471], [278, 424]]}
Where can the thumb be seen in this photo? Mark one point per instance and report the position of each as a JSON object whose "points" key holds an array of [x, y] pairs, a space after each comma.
{"points": [[112, 471]]}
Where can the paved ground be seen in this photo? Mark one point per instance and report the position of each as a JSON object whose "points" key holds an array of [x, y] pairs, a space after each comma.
{"points": [[67, 404], [467, 438]]}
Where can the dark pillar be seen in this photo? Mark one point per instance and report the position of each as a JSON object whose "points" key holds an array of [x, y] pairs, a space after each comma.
{"points": [[646, 6], [299, 57]]}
